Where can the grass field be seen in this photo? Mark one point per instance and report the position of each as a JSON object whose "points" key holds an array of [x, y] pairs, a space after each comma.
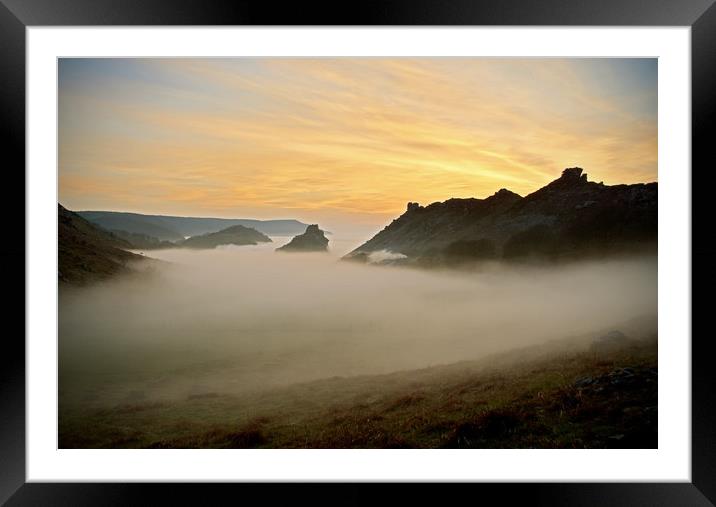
{"points": [[559, 395]]}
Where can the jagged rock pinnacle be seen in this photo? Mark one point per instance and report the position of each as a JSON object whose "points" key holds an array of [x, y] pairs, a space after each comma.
{"points": [[313, 240], [573, 173]]}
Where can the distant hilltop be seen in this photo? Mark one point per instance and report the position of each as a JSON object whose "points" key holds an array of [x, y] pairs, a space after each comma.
{"points": [[171, 228], [234, 235], [569, 218]]}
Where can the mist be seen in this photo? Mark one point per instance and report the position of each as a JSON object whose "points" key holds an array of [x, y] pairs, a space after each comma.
{"points": [[237, 319]]}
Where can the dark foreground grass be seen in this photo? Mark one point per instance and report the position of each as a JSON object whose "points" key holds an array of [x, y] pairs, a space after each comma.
{"points": [[561, 396]]}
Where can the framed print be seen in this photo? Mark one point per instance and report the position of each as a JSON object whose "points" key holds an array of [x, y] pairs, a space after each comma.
{"points": [[403, 244]]}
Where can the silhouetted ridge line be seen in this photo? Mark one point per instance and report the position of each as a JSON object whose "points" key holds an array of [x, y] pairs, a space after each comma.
{"points": [[570, 218]]}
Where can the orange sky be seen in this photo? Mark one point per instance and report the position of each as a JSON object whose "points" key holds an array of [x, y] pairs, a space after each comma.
{"points": [[343, 141]]}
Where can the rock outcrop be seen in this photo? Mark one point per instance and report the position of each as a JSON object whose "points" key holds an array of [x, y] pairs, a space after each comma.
{"points": [[313, 240]]}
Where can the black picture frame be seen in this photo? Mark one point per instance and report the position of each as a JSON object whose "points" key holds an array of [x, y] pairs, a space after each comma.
{"points": [[16, 15]]}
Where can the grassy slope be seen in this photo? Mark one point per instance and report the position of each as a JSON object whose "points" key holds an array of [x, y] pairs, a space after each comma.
{"points": [[527, 398]]}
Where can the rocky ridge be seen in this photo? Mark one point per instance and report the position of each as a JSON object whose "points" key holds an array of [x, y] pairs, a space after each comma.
{"points": [[571, 217]]}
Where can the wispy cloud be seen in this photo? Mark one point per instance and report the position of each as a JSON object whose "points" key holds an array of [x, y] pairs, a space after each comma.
{"points": [[344, 138]]}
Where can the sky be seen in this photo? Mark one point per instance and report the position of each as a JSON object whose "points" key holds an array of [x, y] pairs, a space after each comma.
{"points": [[343, 142]]}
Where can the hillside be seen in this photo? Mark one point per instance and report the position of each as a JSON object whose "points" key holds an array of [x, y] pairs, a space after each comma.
{"points": [[565, 394], [570, 217], [132, 223], [144, 241], [234, 235], [172, 228], [88, 253]]}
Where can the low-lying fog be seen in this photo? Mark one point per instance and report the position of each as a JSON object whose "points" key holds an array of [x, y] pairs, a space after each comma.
{"points": [[239, 318]]}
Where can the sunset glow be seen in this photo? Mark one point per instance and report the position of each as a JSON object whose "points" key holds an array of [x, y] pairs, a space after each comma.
{"points": [[343, 141]]}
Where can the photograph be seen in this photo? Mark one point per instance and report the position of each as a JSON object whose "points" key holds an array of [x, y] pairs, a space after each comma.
{"points": [[357, 252]]}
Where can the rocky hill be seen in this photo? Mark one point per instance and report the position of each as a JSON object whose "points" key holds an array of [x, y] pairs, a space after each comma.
{"points": [[569, 218], [234, 235], [313, 240], [88, 253]]}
